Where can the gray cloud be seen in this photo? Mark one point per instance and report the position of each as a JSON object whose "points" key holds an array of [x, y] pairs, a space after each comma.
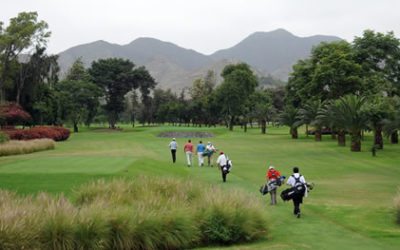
{"points": [[202, 25]]}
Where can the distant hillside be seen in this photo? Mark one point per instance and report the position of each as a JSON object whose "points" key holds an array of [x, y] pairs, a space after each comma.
{"points": [[145, 50], [272, 52], [269, 54]]}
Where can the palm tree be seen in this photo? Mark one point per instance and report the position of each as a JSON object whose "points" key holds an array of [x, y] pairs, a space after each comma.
{"points": [[289, 117], [328, 116], [261, 108], [352, 117], [308, 116], [391, 124], [377, 111]]}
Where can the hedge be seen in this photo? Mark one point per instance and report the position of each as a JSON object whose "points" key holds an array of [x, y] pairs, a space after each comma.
{"points": [[40, 132]]}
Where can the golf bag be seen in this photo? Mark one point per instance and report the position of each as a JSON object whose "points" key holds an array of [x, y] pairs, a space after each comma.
{"points": [[271, 185], [298, 190], [264, 189], [228, 167], [289, 193]]}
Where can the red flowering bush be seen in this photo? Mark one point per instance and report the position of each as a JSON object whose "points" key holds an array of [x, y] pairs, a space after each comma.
{"points": [[55, 133], [63, 133], [13, 114]]}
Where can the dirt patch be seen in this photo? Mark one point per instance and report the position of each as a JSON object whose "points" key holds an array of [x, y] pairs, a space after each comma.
{"points": [[185, 134]]}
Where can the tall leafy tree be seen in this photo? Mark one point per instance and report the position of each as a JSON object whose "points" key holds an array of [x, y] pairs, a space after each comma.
{"points": [[78, 97], [200, 94], [117, 77], [335, 71], [132, 106], [39, 68], [146, 83], [379, 55], [234, 92], [297, 89], [161, 105], [331, 72], [277, 95], [209, 106], [78, 72], [44, 106], [23, 32]]}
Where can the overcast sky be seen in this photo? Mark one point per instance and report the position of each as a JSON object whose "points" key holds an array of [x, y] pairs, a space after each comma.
{"points": [[202, 25]]}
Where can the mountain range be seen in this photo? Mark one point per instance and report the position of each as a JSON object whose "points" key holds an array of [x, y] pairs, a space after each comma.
{"points": [[268, 53]]}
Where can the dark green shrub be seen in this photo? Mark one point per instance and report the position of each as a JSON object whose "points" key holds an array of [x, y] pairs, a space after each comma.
{"points": [[3, 138]]}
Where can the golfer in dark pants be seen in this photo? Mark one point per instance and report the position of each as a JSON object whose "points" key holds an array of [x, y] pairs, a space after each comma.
{"points": [[224, 164], [297, 200], [173, 146], [294, 180]]}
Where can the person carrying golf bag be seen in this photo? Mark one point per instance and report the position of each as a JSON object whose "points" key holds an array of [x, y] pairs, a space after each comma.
{"points": [[224, 164], [298, 190], [274, 180]]}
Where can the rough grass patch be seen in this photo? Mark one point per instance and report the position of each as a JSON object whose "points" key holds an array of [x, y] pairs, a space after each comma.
{"points": [[397, 206]]}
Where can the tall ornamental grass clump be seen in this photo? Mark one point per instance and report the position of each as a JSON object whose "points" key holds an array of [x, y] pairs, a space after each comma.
{"points": [[143, 213], [18, 221], [26, 147], [58, 222], [227, 218]]}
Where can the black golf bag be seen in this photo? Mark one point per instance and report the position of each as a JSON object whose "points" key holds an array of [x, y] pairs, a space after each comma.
{"points": [[271, 185], [298, 190]]}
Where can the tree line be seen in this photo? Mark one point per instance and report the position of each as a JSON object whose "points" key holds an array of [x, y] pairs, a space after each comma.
{"points": [[347, 88], [29, 77], [342, 88], [114, 89]]}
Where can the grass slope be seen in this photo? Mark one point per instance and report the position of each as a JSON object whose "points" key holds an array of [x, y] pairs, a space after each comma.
{"points": [[350, 208]]}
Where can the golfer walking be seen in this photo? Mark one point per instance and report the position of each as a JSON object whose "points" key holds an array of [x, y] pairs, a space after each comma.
{"points": [[294, 180], [188, 149]]}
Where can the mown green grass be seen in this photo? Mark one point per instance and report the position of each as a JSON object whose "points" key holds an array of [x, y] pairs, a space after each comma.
{"points": [[351, 207]]}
